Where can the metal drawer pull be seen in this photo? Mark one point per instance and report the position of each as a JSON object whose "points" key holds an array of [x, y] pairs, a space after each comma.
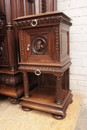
{"points": [[34, 23], [37, 72]]}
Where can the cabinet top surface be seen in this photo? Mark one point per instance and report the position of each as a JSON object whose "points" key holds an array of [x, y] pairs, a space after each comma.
{"points": [[48, 14]]}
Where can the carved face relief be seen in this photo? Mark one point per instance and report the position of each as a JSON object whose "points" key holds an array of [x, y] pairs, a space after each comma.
{"points": [[39, 46]]}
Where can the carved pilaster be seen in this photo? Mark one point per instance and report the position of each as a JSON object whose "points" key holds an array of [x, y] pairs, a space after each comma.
{"points": [[57, 43]]}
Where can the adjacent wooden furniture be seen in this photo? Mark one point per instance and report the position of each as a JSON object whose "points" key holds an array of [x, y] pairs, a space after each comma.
{"points": [[44, 50], [10, 78], [47, 6]]}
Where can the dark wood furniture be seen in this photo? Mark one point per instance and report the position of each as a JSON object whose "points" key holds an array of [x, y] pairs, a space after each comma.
{"points": [[47, 6], [44, 50], [10, 77]]}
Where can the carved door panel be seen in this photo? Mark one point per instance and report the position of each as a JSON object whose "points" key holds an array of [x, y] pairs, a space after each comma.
{"points": [[3, 51], [37, 45], [3, 42]]}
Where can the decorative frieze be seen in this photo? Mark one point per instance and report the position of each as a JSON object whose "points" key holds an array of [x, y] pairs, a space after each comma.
{"points": [[41, 68], [10, 79], [41, 21]]}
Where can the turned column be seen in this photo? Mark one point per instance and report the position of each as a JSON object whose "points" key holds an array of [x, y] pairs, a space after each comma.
{"points": [[10, 36], [47, 5], [26, 84], [59, 89]]}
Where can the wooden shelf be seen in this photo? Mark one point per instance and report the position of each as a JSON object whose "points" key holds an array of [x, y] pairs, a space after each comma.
{"points": [[44, 99], [10, 90]]}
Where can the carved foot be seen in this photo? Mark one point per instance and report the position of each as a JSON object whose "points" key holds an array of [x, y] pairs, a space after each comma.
{"points": [[14, 100], [26, 109], [59, 117]]}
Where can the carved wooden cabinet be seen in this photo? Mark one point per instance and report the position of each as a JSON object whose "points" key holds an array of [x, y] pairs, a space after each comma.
{"points": [[10, 77], [3, 42], [44, 49]]}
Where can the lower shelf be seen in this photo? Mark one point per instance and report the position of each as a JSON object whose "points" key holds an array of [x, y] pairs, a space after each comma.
{"points": [[44, 99], [12, 91]]}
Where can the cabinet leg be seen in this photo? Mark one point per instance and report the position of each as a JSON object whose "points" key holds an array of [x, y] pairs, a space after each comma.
{"points": [[26, 85], [59, 89]]}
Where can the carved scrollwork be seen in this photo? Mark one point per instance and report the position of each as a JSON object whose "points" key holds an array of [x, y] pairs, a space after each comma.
{"points": [[10, 79]]}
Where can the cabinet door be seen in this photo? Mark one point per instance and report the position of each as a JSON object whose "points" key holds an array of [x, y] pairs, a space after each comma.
{"points": [[37, 45]]}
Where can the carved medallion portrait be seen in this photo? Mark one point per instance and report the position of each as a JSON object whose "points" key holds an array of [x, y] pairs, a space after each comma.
{"points": [[39, 46]]}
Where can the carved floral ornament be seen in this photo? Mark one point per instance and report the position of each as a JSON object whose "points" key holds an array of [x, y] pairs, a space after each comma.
{"points": [[10, 79]]}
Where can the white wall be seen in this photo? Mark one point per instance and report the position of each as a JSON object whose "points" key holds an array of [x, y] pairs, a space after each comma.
{"points": [[77, 11]]}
